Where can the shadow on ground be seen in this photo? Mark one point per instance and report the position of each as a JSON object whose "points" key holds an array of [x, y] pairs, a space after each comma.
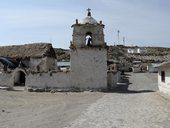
{"points": [[123, 86]]}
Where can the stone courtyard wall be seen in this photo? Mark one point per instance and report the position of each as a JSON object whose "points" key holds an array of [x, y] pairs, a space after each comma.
{"points": [[48, 80], [58, 80], [113, 77]]}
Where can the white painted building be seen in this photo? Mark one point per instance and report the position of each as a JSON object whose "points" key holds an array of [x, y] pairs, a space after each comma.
{"points": [[164, 77], [136, 50], [133, 50]]}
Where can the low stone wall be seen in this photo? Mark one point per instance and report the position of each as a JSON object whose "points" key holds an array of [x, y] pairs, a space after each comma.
{"points": [[48, 80], [112, 78], [136, 69], [53, 80], [6, 79]]}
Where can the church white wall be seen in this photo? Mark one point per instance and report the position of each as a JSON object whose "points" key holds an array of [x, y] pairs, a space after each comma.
{"points": [[89, 68], [48, 80], [164, 86]]}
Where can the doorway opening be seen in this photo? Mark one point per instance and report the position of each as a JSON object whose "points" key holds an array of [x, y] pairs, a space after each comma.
{"points": [[19, 78]]}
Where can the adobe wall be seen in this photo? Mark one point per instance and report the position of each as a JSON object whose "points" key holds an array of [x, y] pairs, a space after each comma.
{"points": [[42, 64], [50, 63], [6, 79], [48, 80]]}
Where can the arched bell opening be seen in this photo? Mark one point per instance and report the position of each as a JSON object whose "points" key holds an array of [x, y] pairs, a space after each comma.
{"points": [[88, 38]]}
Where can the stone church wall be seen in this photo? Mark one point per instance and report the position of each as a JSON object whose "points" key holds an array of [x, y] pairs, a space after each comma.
{"points": [[89, 68]]}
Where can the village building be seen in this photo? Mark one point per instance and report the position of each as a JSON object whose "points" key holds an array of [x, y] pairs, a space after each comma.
{"points": [[37, 57], [164, 77], [36, 65], [20, 60], [136, 50]]}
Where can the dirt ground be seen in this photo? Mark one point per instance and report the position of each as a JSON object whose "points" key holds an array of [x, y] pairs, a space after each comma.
{"points": [[20, 109], [138, 104]]}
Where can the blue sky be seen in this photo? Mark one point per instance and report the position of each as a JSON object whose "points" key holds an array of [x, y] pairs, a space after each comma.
{"points": [[141, 22]]}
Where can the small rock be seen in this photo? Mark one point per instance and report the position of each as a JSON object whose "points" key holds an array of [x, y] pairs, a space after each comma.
{"points": [[53, 91], [30, 90]]}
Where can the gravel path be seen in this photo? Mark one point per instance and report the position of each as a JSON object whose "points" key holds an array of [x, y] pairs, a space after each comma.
{"points": [[138, 107]]}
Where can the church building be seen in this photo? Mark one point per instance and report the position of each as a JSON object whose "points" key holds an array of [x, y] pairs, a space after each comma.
{"points": [[88, 62]]}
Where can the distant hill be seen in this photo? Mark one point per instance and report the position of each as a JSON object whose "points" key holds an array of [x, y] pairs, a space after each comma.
{"points": [[149, 54], [62, 54], [119, 52]]}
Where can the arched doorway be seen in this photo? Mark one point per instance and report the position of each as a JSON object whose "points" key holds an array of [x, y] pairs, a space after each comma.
{"points": [[19, 78]]}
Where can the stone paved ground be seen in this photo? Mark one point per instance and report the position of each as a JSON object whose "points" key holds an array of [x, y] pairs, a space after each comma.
{"points": [[138, 105]]}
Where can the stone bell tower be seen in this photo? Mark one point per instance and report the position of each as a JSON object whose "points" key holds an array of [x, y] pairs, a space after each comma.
{"points": [[88, 54]]}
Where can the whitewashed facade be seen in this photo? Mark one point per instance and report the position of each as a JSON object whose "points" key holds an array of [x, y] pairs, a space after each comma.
{"points": [[164, 77]]}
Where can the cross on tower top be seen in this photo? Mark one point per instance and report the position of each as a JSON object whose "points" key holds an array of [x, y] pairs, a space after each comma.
{"points": [[89, 13]]}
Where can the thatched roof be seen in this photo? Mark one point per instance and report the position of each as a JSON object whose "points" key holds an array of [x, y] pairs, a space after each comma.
{"points": [[35, 50]]}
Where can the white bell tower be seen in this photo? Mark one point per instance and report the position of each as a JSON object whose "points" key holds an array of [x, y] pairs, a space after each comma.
{"points": [[88, 54]]}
